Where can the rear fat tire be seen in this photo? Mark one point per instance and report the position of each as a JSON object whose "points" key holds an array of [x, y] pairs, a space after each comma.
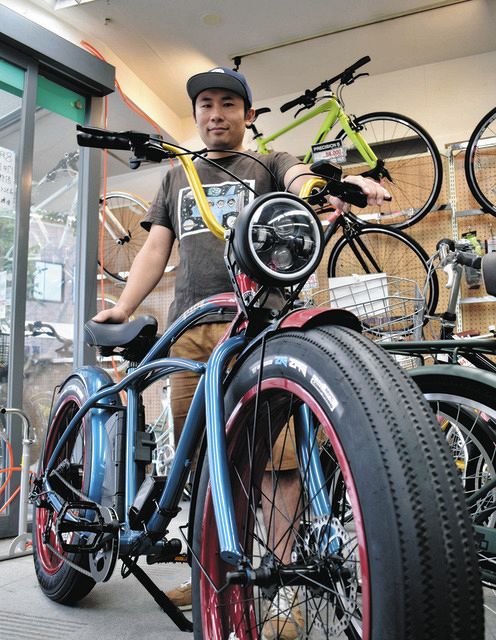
{"points": [[58, 580]]}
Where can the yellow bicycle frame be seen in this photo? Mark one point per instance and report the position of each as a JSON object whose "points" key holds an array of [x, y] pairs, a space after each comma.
{"points": [[201, 199], [334, 112], [196, 186]]}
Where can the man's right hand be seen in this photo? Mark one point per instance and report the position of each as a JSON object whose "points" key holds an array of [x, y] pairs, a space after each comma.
{"points": [[114, 315]]}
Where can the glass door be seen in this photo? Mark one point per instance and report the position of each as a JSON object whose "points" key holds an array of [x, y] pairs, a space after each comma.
{"points": [[11, 101], [48, 349]]}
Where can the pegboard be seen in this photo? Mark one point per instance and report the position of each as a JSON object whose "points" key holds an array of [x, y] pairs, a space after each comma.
{"points": [[454, 213], [476, 310]]}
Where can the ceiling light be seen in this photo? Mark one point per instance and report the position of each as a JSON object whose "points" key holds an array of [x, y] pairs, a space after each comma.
{"points": [[211, 19], [64, 4]]}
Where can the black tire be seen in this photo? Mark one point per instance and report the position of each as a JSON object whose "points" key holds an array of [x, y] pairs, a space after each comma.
{"points": [[464, 402], [378, 249], [480, 163], [58, 580], [411, 159], [123, 235], [402, 515]]}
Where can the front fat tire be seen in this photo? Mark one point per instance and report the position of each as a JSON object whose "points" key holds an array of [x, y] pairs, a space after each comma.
{"points": [[403, 499], [58, 580]]}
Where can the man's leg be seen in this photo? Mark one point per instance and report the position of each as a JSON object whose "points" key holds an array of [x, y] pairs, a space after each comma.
{"points": [[196, 344]]}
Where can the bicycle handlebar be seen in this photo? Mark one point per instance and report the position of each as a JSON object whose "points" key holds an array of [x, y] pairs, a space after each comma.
{"points": [[103, 139], [307, 99], [466, 258], [469, 259]]}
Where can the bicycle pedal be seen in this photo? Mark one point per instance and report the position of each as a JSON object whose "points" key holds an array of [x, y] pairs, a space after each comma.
{"points": [[170, 553], [93, 525]]}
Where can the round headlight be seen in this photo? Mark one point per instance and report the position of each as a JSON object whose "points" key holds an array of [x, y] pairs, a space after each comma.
{"points": [[278, 240]]}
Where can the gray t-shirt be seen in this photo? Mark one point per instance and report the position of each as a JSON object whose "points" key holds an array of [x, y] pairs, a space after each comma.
{"points": [[201, 271]]}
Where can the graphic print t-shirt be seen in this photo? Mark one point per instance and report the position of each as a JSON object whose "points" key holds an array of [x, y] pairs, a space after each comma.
{"points": [[201, 271]]}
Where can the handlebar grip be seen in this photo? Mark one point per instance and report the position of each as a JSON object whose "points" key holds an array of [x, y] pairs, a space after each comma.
{"points": [[469, 259], [289, 105], [359, 63], [104, 141], [352, 194]]}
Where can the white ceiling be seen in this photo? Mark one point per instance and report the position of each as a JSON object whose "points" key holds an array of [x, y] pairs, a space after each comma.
{"points": [[166, 41]]}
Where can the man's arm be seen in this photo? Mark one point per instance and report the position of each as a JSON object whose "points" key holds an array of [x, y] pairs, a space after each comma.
{"points": [[296, 176], [145, 273]]}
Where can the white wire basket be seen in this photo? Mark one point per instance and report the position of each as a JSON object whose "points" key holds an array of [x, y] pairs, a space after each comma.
{"points": [[390, 309]]}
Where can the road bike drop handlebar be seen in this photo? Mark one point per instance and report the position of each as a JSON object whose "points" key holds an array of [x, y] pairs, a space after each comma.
{"points": [[347, 77]]}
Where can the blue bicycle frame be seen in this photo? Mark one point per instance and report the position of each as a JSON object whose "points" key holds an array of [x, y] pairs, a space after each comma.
{"points": [[207, 405]]}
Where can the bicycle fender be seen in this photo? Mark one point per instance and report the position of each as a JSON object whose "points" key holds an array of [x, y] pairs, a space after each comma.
{"points": [[309, 318], [467, 373], [94, 379], [306, 319]]}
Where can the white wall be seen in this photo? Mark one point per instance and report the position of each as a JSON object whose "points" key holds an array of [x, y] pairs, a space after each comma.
{"points": [[447, 98]]}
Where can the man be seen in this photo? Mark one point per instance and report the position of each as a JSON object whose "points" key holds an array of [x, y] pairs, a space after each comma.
{"points": [[222, 109]]}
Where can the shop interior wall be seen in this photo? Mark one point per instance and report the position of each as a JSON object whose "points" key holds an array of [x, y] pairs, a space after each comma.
{"points": [[447, 98]]}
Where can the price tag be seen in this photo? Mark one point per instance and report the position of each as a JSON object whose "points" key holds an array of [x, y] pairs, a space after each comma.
{"points": [[331, 150]]}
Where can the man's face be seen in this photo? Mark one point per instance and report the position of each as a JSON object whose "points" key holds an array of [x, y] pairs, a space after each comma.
{"points": [[221, 120]]}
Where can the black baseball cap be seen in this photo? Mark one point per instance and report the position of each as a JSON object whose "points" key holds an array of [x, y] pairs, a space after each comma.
{"points": [[219, 78]]}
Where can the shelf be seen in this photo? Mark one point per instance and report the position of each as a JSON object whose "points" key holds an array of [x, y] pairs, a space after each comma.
{"points": [[478, 300], [469, 212]]}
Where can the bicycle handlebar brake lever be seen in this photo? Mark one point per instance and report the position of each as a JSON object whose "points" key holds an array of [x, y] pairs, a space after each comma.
{"points": [[449, 269], [352, 79]]}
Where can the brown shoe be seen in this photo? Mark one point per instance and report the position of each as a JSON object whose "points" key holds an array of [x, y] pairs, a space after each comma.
{"points": [[283, 619], [181, 595]]}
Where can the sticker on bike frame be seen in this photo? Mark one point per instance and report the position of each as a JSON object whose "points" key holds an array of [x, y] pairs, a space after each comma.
{"points": [[331, 150]]}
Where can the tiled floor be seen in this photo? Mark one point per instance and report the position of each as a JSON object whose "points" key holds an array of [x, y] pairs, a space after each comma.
{"points": [[119, 608]]}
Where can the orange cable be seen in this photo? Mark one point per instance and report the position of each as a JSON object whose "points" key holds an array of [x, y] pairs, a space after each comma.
{"points": [[6, 504], [134, 107], [11, 461]]}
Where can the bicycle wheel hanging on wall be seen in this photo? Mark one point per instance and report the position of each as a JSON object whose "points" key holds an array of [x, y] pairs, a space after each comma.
{"points": [[377, 249], [480, 163], [123, 236], [413, 169]]}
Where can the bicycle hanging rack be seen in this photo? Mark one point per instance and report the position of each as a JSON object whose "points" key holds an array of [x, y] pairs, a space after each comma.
{"points": [[21, 545]]}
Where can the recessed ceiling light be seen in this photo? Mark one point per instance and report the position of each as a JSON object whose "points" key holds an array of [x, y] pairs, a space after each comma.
{"points": [[211, 19]]}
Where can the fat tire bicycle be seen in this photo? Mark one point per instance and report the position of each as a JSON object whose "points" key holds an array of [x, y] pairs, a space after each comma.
{"points": [[383, 145], [461, 389], [365, 550], [480, 163]]}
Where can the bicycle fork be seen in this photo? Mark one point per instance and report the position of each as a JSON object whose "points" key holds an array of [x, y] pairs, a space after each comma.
{"points": [[230, 547]]}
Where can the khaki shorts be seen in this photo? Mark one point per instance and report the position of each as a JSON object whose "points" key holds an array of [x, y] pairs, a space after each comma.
{"points": [[197, 344]]}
